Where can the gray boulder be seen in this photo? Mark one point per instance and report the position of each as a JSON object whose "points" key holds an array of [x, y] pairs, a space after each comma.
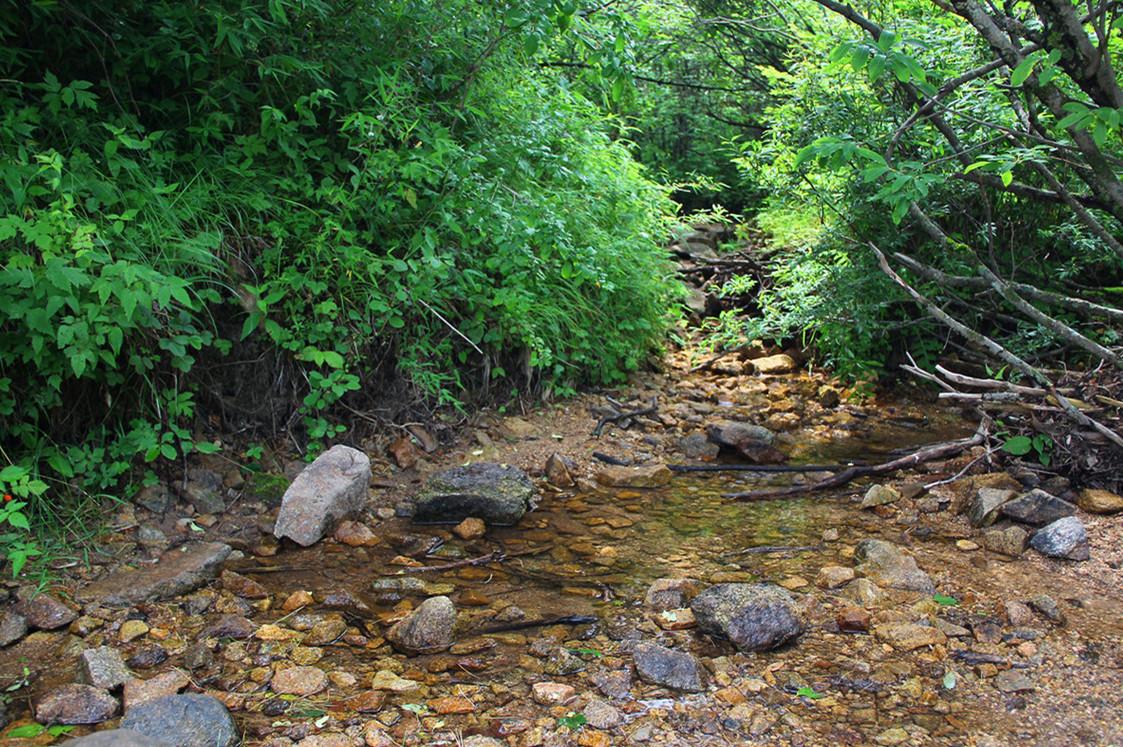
{"points": [[117, 738], [753, 442], [498, 494], [191, 720], [331, 488], [427, 628], [660, 665], [1038, 508], [890, 567], [1064, 538], [178, 571], [755, 617]]}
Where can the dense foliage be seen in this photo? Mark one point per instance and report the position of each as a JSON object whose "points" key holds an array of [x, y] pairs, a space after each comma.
{"points": [[211, 205]]}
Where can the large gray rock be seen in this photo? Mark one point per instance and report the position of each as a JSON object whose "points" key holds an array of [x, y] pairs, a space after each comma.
{"points": [[178, 571], [427, 628], [1038, 508], [13, 626], [660, 665], [753, 442], [103, 667], [331, 488], [498, 494], [191, 720], [117, 738], [888, 566], [986, 505], [1064, 538], [75, 704], [755, 617]]}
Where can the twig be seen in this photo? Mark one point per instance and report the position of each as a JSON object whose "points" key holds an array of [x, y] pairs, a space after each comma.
{"points": [[771, 468], [926, 454], [617, 417], [770, 549]]}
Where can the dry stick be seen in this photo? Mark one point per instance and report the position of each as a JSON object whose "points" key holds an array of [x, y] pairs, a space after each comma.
{"points": [[1079, 305], [1005, 386], [649, 410], [770, 468], [1061, 330], [990, 346], [492, 557], [926, 454]]}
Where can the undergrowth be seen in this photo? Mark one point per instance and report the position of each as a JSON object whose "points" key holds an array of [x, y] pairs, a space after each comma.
{"points": [[333, 195]]}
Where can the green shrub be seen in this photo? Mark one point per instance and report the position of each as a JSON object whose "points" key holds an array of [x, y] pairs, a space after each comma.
{"points": [[329, 190]]}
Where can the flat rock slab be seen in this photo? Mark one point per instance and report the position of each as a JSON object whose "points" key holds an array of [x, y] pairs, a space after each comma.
{"points": [[645, 476], [178, 571], [1038, 508], [191, 720], [496, 493], [330, 489], [75, 704]]}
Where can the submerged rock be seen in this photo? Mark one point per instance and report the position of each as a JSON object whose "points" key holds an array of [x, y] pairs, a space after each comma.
{"points": [[670, 593], [1064, 538], [889, 566], [660, 665], [427, 628], [328, 490], [755, 617], [645, 476], [1038, 508], [178, 571], [497, 494], [190, 720]]}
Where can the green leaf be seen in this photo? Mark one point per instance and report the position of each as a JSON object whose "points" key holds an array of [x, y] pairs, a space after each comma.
{"points": [[944, 600], [1018, 445], [1023, 70], [27, 731], [950, 680], [573, 721], [809, 692], [1007, 178]]}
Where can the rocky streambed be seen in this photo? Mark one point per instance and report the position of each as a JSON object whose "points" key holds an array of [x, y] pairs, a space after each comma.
{"points": [[569, 601]]}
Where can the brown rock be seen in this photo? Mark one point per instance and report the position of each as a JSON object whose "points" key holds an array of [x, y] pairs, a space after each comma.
{"points": [[646, 476], [403, 451], [370, 701], [1010, 541], [355, 534], [451, 705], [470, 529], [139, 691], [552, 693], [1099, 501], [909, 636], [774, 364], [325, 632], [178, 571], [44, 611], [13, 626], [296, 600], [682, 619], [559, 471], [75, 704], [299, 681], [428, 628], [240, 586], [853, 620]]}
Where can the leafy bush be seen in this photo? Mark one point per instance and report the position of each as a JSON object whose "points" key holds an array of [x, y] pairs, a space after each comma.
{"points": [[326, 191]]}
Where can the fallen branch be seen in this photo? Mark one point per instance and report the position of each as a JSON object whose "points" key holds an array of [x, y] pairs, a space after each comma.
{"points": [[929, 453], [540, 623], [627, 415], [758, 467], [492, 557], [770, 549]]}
